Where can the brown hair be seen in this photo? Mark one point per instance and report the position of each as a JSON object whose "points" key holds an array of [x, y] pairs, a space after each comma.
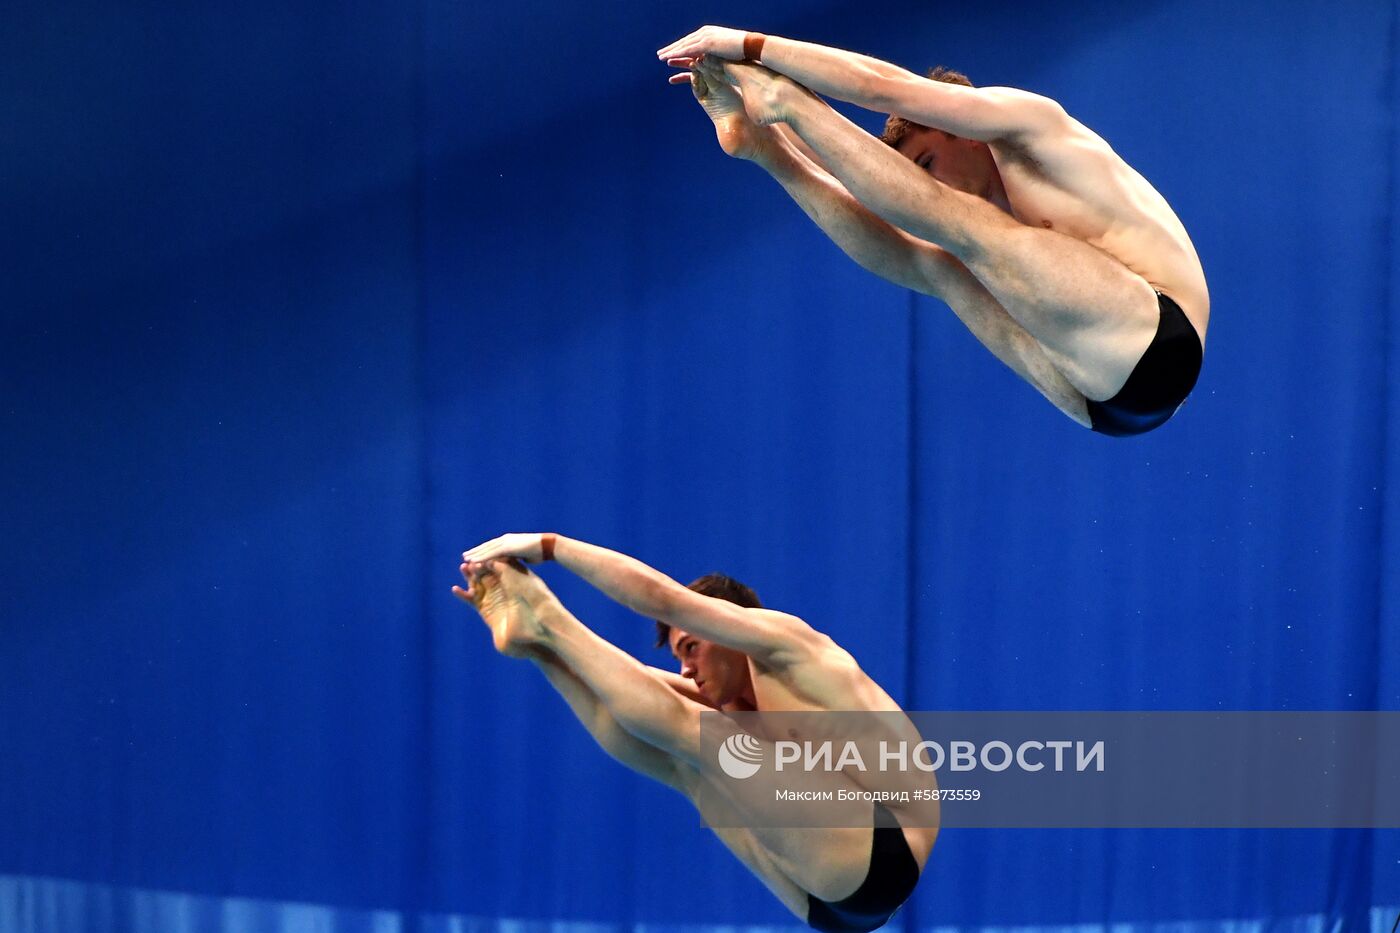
{"points": [[896, 128], [720, 587]]}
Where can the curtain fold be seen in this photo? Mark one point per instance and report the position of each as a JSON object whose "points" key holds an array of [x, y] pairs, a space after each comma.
{"points": [[299, 302]]}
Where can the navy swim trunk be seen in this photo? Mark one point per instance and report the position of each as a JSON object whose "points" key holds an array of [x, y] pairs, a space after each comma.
{"points": [[1160, 381]]}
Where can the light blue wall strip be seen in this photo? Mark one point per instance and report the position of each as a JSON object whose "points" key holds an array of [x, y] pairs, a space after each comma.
{"points": [[55, 905]]}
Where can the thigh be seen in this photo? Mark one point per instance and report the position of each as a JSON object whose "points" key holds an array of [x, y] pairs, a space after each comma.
{"points": [[1092, 314], [829, 862], [757, 859]]}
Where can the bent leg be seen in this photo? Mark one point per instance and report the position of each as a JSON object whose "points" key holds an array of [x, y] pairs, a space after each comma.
{"points": [[1092, 314], [651, 761], [525, 618], [640, 703], [829, 863], [642, 722], [621, 745], [899, 257], [757, 859], [879, 247], [988, 321]]}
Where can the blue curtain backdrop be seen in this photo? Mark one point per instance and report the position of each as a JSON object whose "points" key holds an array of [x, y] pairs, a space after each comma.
{"points": [[300, 300]]}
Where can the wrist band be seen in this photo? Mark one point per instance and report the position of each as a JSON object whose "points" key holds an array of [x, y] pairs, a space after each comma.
{"points": [[547, 546], [753, 46]]}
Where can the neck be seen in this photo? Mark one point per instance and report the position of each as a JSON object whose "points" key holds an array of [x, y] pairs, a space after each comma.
{"points": [[994, 191], [745, 702]]}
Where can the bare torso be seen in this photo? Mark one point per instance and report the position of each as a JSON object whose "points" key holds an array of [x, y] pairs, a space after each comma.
{"points": [[832, 681], [828, 680], [1075, 183]]}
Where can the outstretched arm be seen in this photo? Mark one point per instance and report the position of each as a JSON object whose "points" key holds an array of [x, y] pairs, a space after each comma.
{"points": [[775, 639], [984, 114]]}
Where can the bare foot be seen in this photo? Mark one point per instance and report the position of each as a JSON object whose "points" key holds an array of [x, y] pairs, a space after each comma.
{"points": [[766, 95], [738, 135], [501, 592]]}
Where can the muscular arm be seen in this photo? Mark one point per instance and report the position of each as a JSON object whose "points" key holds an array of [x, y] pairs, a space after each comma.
{"points": [[773, 638], [973, 113], [984, 114]]}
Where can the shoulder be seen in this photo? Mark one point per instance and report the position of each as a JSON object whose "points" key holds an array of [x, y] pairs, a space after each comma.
{"points": [[1026, 114], [1057, 142], [790, 637], [795, 642], [981, 113]]}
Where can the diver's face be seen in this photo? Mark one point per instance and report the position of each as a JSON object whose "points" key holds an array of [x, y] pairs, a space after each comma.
{"points": [[721, 674], [964, 164]]}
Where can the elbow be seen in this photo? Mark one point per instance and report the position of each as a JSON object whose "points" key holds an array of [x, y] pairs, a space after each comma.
{"points": [[882, 92], [660, 599]]}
